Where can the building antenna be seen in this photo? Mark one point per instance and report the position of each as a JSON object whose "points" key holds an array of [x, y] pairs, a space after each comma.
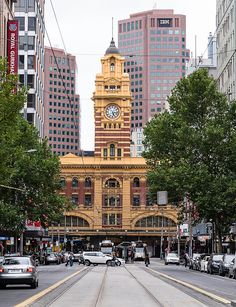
{"points": [[155, 5]]}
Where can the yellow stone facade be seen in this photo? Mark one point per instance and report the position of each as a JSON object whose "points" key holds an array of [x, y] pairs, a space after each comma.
{"points": [[109, 190]]}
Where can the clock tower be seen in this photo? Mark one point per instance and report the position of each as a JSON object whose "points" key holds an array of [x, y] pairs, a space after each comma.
{"points": [[112, 107]]}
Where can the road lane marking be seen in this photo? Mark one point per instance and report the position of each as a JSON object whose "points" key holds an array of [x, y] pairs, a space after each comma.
{"points": [[211, 295], [37, 296]]}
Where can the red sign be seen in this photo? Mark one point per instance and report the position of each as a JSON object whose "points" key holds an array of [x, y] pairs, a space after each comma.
{"points": [[12, 46], [33, 225]]}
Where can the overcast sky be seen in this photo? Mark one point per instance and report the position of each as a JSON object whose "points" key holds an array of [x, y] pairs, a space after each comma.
{"points": [[86, 29]]}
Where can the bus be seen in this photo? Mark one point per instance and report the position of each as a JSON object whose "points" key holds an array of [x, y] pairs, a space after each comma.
{"points": [[106, 246], [139, 250]]}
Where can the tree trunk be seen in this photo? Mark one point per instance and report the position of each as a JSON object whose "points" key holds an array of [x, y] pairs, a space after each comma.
{"points": [[219, 236]]}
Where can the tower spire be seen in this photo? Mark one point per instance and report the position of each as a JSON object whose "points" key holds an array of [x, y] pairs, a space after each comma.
{"points": [[112, 27]]}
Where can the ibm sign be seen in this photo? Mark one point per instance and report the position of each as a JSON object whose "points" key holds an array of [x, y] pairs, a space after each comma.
{"points": [[164, 22]]}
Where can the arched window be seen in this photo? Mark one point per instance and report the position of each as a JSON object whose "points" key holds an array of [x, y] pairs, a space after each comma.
{"points": [[112, 150], [112, 67], [73, 221], [88, 182], [74, 183], [155, 221], [136, 182], [63, 183], [112, 183]]}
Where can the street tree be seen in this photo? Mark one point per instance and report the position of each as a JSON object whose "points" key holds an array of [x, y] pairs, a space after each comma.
{"points": [[192, 149], [29, 172]]}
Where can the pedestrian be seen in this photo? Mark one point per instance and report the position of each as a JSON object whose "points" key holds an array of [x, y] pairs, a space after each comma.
{"points": [[146, 257], [186, 259], [71, 259]]}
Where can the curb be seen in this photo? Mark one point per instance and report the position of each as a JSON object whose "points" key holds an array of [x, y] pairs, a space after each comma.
{"points": [[204, 292], [37, 296]]}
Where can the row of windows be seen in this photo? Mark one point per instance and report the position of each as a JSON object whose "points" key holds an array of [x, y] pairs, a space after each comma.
{"points": [[26, 42], [62, 70], [68, 112], [166, 74], [65, 119], [136, 117], [131, 42], [129, 26], [61, 60], [130, 35], [64, 105], [65, 140], [165, 46], [69, 126], [166, 32], [59, 83], [30, 62], [59, 97], [155, 221], [60, 132], [136, 104], [166, 39], [159, 67], [116, 219], [136, 125], [109, 201], [112, 126], [59, 76], [167, 53], [31, 21], [137, 111], [166, 60], [59, 125], [110, 183], [157, 109], [59, 146], [56, 89]]}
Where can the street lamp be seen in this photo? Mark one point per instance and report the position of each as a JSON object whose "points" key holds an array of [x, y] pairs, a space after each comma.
{"points": [[162, 199]]}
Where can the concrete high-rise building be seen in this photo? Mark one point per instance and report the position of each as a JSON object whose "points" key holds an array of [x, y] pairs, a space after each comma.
{"points": [[210, 63], [154, 45], [62, 105], [225, 37], [30, 15], [6, 14]]}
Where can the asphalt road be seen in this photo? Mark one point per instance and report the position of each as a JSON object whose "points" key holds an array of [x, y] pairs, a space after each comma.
{"points": [[218, 285], [48, 275]]}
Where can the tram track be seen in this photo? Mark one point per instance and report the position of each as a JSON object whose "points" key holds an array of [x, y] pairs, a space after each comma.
{"points": [[146, 289]]}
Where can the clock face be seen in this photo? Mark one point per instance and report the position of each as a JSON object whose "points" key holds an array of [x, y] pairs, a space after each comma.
{"points": [[112, 111]]}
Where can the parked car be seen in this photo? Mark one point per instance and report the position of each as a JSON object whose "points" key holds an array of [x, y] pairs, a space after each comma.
{"points": [[18, 270], [232, 269], [197, 262], [192, 261], [172, 258], [224, 264], [96, 258], [203, 263], [1, 259], [52, 258], [214, 263]]}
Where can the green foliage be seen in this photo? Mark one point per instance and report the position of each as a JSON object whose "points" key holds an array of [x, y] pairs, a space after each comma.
{"points": [[193, 148], [27, 164]]}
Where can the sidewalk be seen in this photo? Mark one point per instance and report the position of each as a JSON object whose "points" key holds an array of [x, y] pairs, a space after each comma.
{"points": [[122, 289]]}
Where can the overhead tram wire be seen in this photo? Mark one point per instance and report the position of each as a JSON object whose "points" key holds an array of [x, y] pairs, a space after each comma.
{"points": [[214, 33], [68, 61], [63, 83]]}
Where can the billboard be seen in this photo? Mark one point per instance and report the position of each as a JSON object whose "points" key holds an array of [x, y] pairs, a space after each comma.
{"points": [[12, 46]]}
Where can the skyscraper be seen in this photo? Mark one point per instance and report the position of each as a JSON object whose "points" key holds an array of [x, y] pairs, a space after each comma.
{"points": [[5, 15], [62, 107], [154, 45], [30, 15], [225, 37]]}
